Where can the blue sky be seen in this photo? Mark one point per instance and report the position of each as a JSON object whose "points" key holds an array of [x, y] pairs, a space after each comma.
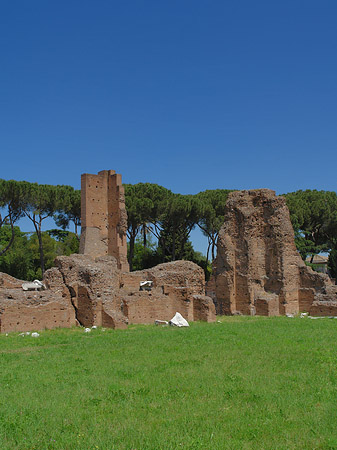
{"points": [[192, 95]]}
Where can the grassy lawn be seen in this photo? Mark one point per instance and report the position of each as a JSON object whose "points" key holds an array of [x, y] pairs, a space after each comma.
{"points": [[244, 383]]}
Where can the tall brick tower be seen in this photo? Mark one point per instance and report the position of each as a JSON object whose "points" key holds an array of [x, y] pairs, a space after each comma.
{"points": [[104, 217]]}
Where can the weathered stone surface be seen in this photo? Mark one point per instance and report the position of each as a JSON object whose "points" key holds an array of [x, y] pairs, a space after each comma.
{"points": [[176, 273], [8, 282], [27, 311], [95, 292], [176, 287], [258, 269], [94, 289], [104, 217], [203, 308]]}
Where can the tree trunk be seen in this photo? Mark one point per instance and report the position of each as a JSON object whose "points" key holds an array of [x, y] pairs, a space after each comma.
{"points": [[76, 231], [207, 253], [214, 238], [162, 245], [131, 250], [144, 235], [4, 250], [39, 237], [174, 245]]}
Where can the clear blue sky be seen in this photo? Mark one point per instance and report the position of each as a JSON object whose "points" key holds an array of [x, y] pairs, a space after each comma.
{"points": [[192, 95]]}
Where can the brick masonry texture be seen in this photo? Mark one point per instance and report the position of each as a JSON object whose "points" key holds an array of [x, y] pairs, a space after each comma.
{"points": [[95, 287], [95, 292], [258, 269], [104, 217]]}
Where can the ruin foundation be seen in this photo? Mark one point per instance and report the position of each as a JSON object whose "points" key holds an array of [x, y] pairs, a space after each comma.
{"points": [[81, 290], [258, 269]]}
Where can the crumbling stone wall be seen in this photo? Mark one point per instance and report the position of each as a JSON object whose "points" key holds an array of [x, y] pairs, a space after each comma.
{"points": [[95, 292], [177, 286], [258, 269], [94, 287], [35, 310], [104, 217], [9, 282]]}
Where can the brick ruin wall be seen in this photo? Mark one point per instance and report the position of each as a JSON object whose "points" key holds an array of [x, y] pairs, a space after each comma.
{"points": [[177, 286], [94, 287], [33, 310], [104, 217], [258, 269], [87, 292]]}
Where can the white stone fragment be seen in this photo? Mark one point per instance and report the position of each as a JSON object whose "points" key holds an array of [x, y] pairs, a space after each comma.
{"points": [[87, 330], [145, 285], [179, 321], [291, 316], [94, 327], [161, 322], [35, 334], [322, 317], [304, 315], [35, 285]]}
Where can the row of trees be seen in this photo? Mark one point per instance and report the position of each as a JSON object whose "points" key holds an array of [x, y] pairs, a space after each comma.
{"points": [[160, 222], [37, 202], [22, 260], [170, 218], [314, 217], [163, 220]]}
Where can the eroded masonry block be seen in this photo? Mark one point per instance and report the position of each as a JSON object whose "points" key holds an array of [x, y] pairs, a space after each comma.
{"points": [[176, 286], [258, 269], [80, 290], [104, 217], [28, 311]]}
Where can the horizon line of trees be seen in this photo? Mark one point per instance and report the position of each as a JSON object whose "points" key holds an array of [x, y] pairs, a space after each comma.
{"points": [[160, 222]]}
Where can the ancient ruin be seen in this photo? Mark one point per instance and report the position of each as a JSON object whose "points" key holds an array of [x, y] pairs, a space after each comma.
{"points": [[258, 269], [95, 287], [88, 292], [104, 217], [33, 310]]}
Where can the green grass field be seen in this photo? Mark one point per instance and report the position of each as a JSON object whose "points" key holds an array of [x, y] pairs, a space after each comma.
{"points": [[245, 383]]}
